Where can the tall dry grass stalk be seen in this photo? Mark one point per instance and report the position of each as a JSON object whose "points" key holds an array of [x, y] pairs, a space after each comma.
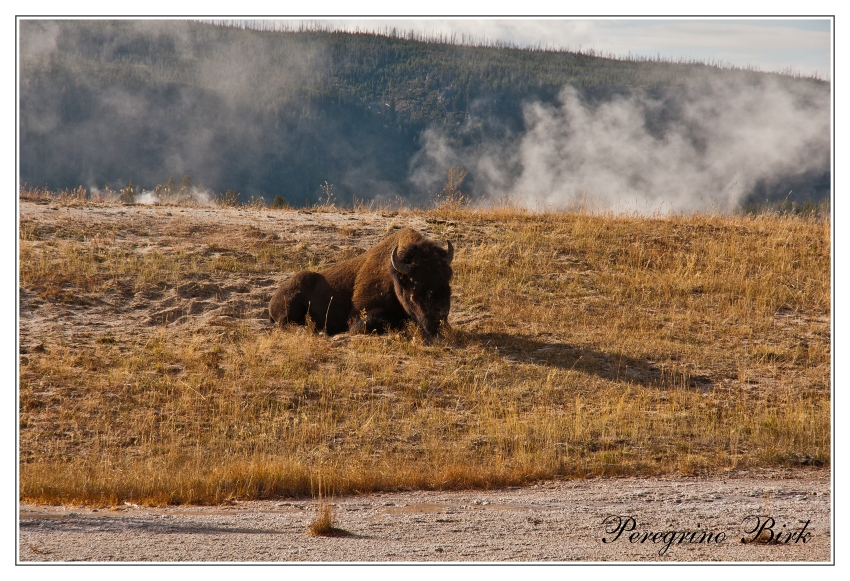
{"points": [[324, 521], [583, 345]]}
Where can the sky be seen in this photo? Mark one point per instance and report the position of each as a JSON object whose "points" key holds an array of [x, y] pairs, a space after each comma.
{"points": [[800, 45]]}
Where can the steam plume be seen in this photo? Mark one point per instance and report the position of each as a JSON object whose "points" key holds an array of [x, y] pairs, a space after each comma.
{"points": [[703, 147]]}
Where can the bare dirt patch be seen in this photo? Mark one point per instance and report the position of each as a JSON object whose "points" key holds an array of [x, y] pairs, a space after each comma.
{"points": [[552, 521]]}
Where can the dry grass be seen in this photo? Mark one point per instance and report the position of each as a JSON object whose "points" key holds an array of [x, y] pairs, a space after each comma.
{"points": [[324, 523], [582, 345]]}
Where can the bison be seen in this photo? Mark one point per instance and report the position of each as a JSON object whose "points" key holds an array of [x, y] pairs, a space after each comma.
{"points": [[405, 277]]}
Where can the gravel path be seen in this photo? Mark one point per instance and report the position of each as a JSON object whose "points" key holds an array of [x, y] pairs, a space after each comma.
{"points": [[552, 521]]}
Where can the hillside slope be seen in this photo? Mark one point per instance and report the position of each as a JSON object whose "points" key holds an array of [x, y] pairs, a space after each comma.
{"points": [[278, 113], [581, 345]]}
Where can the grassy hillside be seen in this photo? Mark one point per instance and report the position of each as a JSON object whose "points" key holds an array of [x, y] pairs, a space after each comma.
{"points": [[278, 113], [581, 345]]}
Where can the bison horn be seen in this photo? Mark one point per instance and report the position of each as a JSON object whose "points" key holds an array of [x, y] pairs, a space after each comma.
{"points": [[397, 264], [450, 252]]}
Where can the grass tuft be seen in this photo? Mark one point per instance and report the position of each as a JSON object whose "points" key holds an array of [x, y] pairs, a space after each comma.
{"points": [[323, 524]]}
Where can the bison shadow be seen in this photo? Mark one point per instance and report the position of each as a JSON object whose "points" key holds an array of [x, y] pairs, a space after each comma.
{"points": [[609, 366]]}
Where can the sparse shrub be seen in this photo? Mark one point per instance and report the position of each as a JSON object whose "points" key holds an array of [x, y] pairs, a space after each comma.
{"points": [[186, 183], [77, 196], [128, 194], [230, 199], [184, 194], [33, 193], [257, 203], [451, 197], [167, 192], [328, 192], [278, 203]]}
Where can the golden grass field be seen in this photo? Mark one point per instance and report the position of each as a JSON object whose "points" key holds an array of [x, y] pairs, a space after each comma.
{"points": [[582, 344]]}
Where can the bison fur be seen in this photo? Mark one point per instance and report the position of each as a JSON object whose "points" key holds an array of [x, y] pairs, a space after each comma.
{"points": [[405, 277]]}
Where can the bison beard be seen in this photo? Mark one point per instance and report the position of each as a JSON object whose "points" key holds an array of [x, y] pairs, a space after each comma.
{"points": [[405, 277]]}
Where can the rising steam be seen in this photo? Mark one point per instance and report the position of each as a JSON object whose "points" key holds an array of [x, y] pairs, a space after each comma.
{"points": [[702, 147], [110, 102]]}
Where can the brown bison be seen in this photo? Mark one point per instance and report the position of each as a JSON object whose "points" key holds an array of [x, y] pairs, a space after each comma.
{"points": [[405, 277]]}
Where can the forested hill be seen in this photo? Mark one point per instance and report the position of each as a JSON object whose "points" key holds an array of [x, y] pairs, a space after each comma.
{"points": [[271, 113]]}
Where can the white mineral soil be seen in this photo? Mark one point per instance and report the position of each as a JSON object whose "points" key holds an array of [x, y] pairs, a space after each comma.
{"points": [[551, 521]]}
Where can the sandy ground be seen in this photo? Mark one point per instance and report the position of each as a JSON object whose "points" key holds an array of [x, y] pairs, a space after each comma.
{"points": [[553, 521]]}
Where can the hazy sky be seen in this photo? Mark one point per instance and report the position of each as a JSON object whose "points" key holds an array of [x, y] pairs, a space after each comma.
{"points": [[801, 45]]}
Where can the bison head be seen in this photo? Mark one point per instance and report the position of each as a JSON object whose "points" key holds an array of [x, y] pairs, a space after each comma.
{"points": [[421, 275]]}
